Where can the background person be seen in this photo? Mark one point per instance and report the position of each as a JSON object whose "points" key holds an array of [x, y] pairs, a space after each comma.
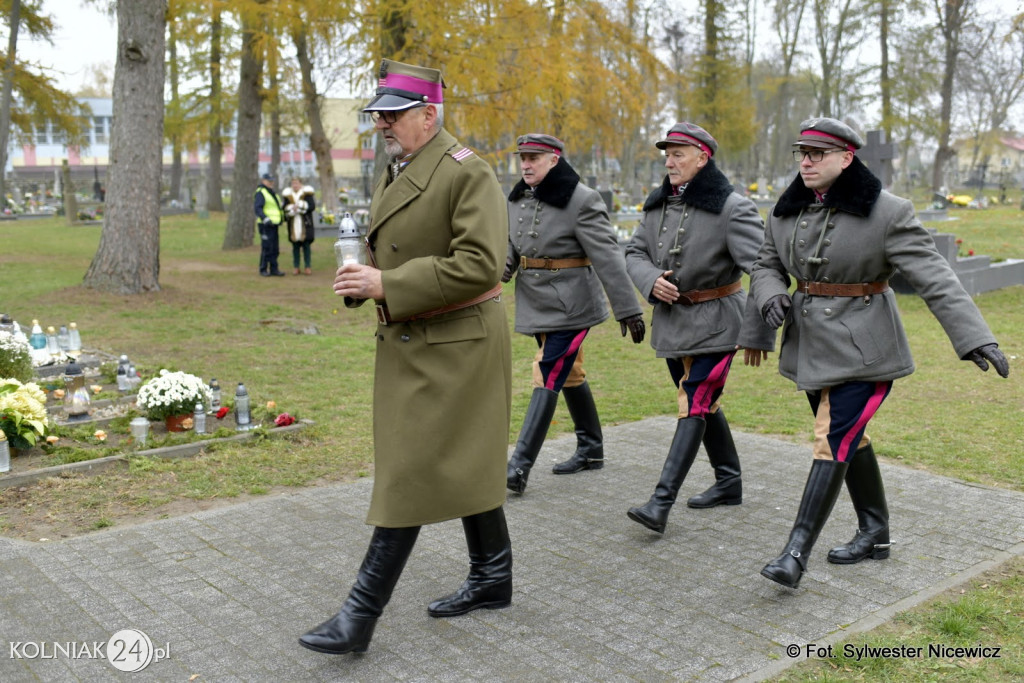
{"points": [[269, 216], [562, 249], [696, 239], [442, 380], [299, 205], [841, 236]]}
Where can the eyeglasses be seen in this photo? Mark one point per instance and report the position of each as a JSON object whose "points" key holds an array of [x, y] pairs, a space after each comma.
{"points": [[389, 117], [814, 155]]}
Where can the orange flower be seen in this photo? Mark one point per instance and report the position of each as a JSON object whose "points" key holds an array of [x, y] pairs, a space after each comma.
{"points": [[100, 435]]}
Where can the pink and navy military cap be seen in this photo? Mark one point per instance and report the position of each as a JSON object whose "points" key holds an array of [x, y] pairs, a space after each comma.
{"points": [[404, 86]]}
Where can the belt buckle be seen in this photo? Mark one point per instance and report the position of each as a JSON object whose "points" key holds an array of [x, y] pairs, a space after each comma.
{"points": [[382, 315], [804, 288], [684, 299], [522, 262]]}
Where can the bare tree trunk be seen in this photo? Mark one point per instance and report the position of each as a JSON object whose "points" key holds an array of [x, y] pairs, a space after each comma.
{"points": [[127, 260], [214, 200], [175, 107], [317, 137], [884, 12], [241, 219], [951, 14], [275, 118], [5, 103], [393, 27]]}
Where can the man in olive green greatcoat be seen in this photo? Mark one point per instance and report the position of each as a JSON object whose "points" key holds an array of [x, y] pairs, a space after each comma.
{"points": [[442, 380]]}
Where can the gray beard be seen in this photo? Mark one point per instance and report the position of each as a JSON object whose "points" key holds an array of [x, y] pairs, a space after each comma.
{"points": [[394, 149]]}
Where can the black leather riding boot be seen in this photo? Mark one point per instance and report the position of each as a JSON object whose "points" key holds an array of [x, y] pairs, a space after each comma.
{"points": [[820, 492], [681, 454], [531, 438], [489, 584], [351, 628], [864, 482], [728, 488], [589, 453]]}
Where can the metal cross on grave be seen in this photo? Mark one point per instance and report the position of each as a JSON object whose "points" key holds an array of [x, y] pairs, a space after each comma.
{"points": [[878, 154]]}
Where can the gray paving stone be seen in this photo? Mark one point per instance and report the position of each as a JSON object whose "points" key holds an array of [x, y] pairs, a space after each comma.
{"points": [[597, 597]]}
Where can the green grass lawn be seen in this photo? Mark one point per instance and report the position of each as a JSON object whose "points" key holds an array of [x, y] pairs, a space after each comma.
{"points": [[215, 317]]}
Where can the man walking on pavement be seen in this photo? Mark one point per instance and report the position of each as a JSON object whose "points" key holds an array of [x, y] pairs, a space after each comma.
{"points": [[696, 239], [841, 237], [563, 250]]}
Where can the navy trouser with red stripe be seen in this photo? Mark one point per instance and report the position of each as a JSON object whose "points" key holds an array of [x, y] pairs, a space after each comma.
{"points": [[841, 416], [559, 360], [700, 381]]}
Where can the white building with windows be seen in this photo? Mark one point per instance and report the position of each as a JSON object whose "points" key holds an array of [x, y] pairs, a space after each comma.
{"points": [[36, 163]]}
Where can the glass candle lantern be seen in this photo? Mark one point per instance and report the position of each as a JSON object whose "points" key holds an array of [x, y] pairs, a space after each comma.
{"points": [[349, 248], [76, 394], [74, 341], [243, 416], [5, 453]]}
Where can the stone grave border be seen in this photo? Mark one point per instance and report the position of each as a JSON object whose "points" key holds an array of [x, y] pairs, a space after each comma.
{"points": [[99, 464]]}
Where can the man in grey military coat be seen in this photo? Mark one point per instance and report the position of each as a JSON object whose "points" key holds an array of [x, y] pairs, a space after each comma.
{"points": [[563, 249], [841, 236], [696, 239]]}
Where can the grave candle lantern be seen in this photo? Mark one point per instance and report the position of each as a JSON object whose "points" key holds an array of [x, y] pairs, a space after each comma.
{"points": [[76, 394], [349, 246]]}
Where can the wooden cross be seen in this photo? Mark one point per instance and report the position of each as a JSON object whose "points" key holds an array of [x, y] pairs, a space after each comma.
{"points": [[878, 154]]}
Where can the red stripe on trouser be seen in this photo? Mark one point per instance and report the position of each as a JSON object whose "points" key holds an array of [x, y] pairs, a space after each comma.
{"points": [[704, 397], [556, 370], [870, 408]]}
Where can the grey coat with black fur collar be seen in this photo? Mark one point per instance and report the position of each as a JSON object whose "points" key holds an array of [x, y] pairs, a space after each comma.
{"points": [[563, 218], [860, 233], [717, 234]]}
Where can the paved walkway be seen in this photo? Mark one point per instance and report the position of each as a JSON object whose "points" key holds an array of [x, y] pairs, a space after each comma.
{"points": [[225, 593]]}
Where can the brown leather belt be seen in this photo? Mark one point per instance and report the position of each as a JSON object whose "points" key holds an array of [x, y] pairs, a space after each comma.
{"points": [[835, 289], [699, 296], [553, 263], [384, 318]]}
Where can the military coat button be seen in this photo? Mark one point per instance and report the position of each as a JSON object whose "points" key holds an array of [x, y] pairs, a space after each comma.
{"points": [[827, 242], [394, 247], [659, 245], [803, 224], [405, 337], [828, 311], [803, 261], [802, 243], [824, 261], [804, 313]]}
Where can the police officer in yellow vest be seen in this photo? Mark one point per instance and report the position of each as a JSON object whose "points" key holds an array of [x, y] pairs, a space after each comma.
{"points": [[268, 218]]}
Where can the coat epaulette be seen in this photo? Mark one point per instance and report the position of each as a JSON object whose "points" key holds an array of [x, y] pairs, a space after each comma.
{"points": [[460, 153]]}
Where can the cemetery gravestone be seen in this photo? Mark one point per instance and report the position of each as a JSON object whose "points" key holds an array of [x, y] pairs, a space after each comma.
{"points": [[877, 154]]}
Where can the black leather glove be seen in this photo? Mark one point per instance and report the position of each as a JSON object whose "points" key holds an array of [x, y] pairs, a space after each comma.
{"points": [[509, 271], [775, 310], [990, 353], [636, 326]]}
